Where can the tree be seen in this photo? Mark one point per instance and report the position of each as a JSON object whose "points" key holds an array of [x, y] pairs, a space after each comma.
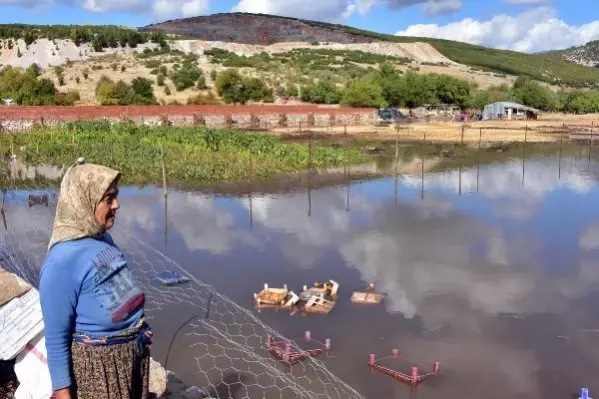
{"points": [[532, 94], [450, 90], [213, 75], [201, 85], [364, 92], [25, 88], [97, 45], [292, 90], [418, 90], [144, 93], [256, 89], [34, 70], [105, 92], [160, 80], [324, 92], [187, 76], [230, 86], [392, 84]]}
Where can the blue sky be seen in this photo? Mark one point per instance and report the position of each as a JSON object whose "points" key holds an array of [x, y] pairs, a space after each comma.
{"points": [[525, 25]]}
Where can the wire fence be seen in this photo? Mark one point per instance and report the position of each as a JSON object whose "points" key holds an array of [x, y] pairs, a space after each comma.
{"points": [[218, 345]]}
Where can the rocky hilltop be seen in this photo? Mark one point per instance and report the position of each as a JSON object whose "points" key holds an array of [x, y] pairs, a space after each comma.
{"points": [[587, 55], [257, 29]]}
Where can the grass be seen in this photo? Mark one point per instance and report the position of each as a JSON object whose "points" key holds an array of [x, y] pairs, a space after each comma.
{"points": [[192, 156]]}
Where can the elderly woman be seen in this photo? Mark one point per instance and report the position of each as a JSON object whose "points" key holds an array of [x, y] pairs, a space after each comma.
{"points": [[96, 338]]}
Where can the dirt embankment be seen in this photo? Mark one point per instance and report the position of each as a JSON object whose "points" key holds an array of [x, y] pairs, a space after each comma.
{"points": [[312, 121]]}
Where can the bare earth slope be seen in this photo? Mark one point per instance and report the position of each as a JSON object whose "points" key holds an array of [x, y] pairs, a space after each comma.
{"points": [[257, 29]]}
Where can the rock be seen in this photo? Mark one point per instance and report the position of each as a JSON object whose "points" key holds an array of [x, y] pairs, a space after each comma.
{"points": [[157, 378]]}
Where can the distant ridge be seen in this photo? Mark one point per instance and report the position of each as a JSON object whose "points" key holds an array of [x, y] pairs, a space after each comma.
{"points": [[269, 29]]}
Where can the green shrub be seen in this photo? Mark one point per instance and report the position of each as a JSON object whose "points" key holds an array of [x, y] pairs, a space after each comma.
{"points": [[187, 76], [321, 93], [110, 93], [230, 86], [292, 90], [26, 89], [364, 93]]}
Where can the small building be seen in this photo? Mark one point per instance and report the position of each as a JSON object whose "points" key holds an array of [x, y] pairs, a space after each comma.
{"points": [[8, 101], [509, 110]]}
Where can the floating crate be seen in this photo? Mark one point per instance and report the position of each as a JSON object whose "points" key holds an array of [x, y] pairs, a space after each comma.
{"points": [[369, 296], [275, 298]]}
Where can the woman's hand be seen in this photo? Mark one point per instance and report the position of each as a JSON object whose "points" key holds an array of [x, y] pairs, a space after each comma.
{"points": [[63, 393]]}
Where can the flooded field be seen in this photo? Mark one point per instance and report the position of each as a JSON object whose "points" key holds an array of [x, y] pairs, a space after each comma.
{"points": [[489, 267]]}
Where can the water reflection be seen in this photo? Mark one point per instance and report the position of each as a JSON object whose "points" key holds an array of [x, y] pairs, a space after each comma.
{"points": [[481, 272]]}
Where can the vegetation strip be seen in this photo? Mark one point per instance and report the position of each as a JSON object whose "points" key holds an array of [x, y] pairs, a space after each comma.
{"points": [[193, 156]]}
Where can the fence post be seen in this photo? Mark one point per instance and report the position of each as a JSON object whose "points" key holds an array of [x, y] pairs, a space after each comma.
{"points": [[463, 127], [480, 138], [591, 141], [163, 171], [478, 159], [561, 141]]}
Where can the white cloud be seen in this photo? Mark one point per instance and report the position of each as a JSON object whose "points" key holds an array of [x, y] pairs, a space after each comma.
{"points": [[338, 10], [309, 9], [535, 30], [160, 8], [442, 7], [527, 2]]}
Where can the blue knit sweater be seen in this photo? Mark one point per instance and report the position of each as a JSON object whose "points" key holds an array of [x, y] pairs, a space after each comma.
{"points": [[86, 286]]}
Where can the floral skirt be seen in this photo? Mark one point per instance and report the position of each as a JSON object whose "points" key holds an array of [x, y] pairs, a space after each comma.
{"points": [[8, 389], [110, 372]]}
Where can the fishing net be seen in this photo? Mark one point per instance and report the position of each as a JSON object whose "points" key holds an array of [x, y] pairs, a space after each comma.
{"points": [[211, 342]]}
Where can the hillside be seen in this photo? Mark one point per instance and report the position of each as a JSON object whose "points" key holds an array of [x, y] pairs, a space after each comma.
{"points": [[268, 30], [587, 55]]}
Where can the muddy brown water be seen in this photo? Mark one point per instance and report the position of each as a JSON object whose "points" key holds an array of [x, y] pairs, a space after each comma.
{"points": [[491, 271]]}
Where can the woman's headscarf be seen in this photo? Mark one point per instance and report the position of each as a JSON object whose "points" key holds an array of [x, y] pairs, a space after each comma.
{"points": [[83, 187]]}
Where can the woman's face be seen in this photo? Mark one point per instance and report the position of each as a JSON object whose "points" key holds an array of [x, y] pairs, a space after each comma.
{"points": [[106, 210]]}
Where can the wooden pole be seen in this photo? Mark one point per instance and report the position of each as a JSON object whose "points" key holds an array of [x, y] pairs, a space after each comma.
{"points": [[460, 184], [524, 154], [463, 127], [422, 183], [478, 160], [310, 176], [591, 141], [165, 192], [561, 141], [251, 211]]}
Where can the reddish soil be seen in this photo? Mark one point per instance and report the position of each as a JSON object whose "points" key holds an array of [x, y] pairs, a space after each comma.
{"points": [[96, 112]]}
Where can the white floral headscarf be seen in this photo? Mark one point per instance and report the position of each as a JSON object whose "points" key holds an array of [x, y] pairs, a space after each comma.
{"points": [[82, 188]]}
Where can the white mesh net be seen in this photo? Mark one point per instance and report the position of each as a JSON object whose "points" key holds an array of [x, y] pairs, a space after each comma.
{"points": [[207, 339]]}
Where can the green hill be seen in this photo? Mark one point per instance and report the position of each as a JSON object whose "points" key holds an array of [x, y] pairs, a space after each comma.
{"points": [[587, 55], [541, 67]]}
